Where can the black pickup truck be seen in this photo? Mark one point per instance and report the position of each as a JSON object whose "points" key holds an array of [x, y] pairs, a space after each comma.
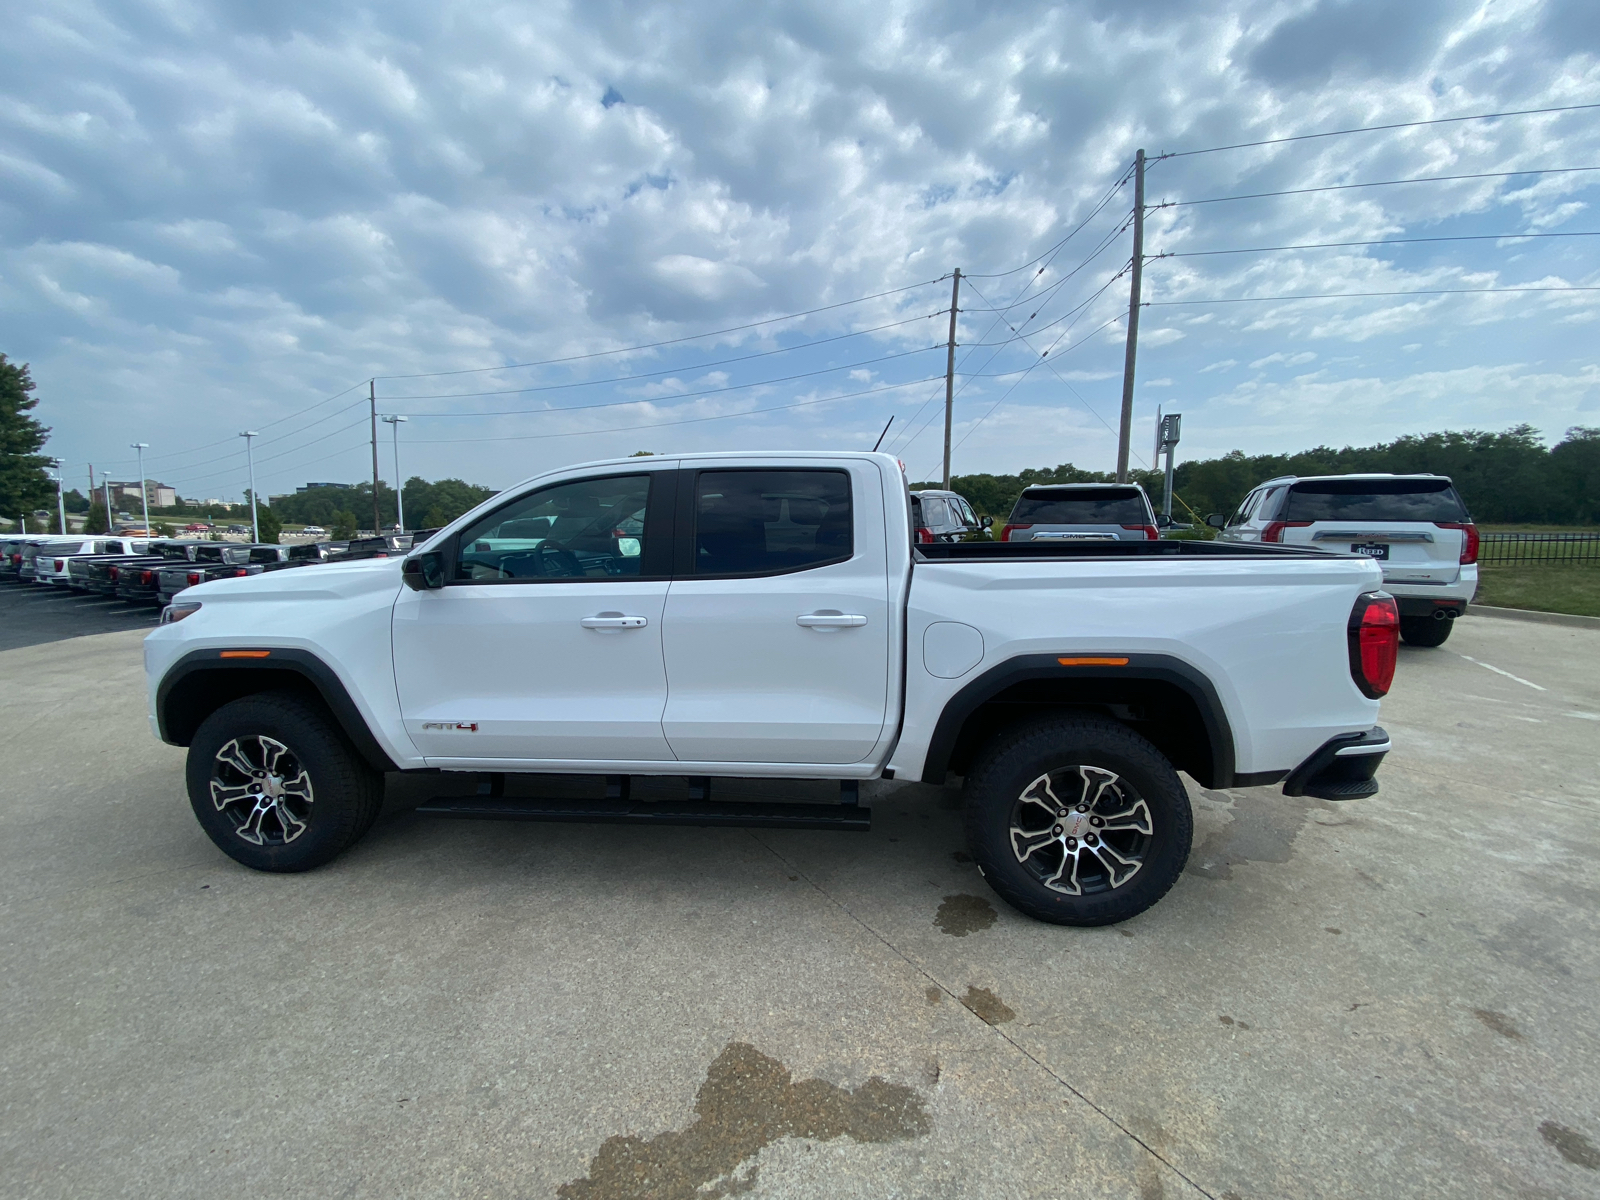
{"points": [[216, 562]]}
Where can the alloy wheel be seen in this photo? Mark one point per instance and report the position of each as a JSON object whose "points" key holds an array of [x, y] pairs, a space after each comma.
{"points": [[259, 784], [1081, 830]]}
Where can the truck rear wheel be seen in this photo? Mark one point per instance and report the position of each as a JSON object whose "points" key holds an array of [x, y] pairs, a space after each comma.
{"points": [[1425, 631], [276, 786], [1077, 821]]}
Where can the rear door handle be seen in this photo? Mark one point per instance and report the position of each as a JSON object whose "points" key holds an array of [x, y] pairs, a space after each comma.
{"points": [[830, 620], [610, 620]]}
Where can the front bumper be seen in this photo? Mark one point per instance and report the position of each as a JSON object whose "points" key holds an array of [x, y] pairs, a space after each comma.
{"points": [[1342, 769]]}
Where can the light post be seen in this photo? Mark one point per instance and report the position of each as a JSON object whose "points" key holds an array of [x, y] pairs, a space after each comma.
{"points": [[255, 526], [61, 499], [144, 491], [1167, 439], [399, 501]]}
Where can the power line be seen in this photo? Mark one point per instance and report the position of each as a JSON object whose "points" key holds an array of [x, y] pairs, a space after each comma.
{"points": [[1476, 237], [692, 420], [722, 362], [1358, 295], [737, 387], [1303, 137], [1341, 187], [694, 337], [1053, 250]]}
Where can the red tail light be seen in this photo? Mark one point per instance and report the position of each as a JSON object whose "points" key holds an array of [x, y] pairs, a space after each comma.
{"points": [[1151, 533], [144, 576], [924, 536], [1374, 639], [1274, 530], [1469, 539], [194, 578], [1005, 530], [114, 573], [60, 564]]}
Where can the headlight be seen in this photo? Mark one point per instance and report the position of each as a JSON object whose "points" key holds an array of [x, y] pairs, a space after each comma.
{"points": [[178, 610]]}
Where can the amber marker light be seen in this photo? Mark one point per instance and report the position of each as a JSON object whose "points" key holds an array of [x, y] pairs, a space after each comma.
{"points": [[1093, 662], [264, 653]]}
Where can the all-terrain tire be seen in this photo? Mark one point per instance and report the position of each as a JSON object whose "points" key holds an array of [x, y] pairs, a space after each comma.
{"points": [[275, 784], [1425, 631], [1094, 768]]}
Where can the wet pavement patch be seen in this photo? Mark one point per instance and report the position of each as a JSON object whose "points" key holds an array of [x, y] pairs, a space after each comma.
{"points": [[1227, 1020], [961, 915], [1570, 1144], [986, 1006], [747, 1101], [1263, 829], [1498, 1022]]}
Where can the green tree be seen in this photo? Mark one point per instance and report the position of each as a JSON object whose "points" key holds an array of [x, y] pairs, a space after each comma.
{"points": [[268, 524], [343, 525], [97, 521], [76, 501], [24, 484]]}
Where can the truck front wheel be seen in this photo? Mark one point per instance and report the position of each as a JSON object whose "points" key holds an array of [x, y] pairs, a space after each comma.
{"points": [[1077, 821], [276, 786]]}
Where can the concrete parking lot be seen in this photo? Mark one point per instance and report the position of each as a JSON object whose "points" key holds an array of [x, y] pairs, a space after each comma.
{"points": [[1394, 997]]}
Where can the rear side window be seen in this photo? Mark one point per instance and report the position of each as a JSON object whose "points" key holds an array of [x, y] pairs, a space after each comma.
{"points": [[1374, 500], [766, 522], [1081, 506]]}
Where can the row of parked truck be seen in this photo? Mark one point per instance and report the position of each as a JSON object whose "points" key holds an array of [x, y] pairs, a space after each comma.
{"points": [[153, 570]]}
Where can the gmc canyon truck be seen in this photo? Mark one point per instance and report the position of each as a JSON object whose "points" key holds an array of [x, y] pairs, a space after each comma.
{"points": [[770, 615]]}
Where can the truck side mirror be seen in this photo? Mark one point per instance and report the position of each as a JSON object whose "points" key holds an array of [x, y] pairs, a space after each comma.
{"points": [[987, 522], [424, 572], [1163, 521], [1216, 520]]}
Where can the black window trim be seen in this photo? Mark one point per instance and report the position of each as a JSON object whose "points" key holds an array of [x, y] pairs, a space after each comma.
{"points": [[658, 528], [683, 560]]}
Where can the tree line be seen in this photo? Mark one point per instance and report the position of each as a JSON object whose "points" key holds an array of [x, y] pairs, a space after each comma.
{"points": [[1509, 478]]}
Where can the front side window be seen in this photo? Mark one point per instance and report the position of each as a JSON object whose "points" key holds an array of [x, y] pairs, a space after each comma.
{"points": [[765, 522], [1242, 513], [588, 528], [967, 517]]}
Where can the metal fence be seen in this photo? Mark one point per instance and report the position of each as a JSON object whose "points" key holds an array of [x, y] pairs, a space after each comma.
{"points": [[1498, 548]]}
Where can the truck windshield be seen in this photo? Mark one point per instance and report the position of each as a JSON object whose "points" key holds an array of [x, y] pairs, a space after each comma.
{"points": [[1081, 506], [1374, 500]]}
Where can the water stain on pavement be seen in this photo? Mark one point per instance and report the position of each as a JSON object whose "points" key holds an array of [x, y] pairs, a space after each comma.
{"points": [[747, 1101], [961, 915], [1570, 1144], [986, 1006], [1498, 1022], [1263, 829]]}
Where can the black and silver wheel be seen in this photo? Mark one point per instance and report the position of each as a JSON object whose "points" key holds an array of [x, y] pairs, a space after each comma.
{"points": [[276, 786], [1425, 631], [1077, 821]]}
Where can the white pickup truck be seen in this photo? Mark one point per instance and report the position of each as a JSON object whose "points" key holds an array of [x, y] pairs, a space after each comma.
{"points": [[769, 615]]}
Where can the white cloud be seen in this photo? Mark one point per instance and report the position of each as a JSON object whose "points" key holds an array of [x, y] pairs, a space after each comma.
{"points": [[1288, 360]]}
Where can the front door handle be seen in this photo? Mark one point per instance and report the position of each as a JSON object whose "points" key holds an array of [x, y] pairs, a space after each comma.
{"points": [[830, 620], [613, 620]]}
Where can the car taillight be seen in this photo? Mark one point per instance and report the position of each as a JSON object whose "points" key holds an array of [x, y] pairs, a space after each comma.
{"points": [[1374, 638], [144, 576], [1469, 539], [193, 577], [114, 573], [924, 536], [60, 564], [1005, 530], [1151, 533], [1274, 530]]}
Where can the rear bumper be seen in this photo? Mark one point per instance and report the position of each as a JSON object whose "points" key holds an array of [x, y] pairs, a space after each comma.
{"points": [[1342, 769]]}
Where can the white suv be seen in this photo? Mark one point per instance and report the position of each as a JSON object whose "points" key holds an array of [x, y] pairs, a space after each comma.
{"points": [[1416, 526]]}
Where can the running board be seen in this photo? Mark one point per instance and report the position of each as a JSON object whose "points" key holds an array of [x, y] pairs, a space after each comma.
{"points": [[845, 818]]}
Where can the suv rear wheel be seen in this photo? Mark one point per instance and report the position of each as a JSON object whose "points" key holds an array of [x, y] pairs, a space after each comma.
{"points": [[276, 786], [1425, 631], [1077, 821]]}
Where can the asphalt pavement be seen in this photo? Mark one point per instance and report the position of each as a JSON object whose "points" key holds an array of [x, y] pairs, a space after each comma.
{"points": [[33, 615], [1393, 997]]}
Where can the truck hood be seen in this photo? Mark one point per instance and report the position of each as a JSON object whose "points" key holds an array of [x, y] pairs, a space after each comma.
{"points": [[320, 581]]}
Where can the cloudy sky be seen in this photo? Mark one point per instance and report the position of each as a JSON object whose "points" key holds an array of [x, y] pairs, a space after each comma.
{"points": [[224, 216]]}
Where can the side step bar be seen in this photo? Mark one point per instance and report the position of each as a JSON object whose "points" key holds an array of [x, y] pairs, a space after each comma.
{"points": [[616, 809]]}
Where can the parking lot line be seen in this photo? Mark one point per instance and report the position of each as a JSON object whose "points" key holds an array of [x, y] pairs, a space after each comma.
{"points": [[1507, 674]]}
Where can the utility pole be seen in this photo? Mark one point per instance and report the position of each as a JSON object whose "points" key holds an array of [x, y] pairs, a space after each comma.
{"points": [[249, 454], [144, 490], [399, 501], [950, 373], [1133, 318], [372, 397]]}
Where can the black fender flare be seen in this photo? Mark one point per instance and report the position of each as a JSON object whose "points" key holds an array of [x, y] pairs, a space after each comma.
{"points": [[1027, 667], [301, 664]]}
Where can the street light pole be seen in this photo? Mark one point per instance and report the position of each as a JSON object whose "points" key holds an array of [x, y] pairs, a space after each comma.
{"points": [[144, 490], [255, 525], [61, 499], [399, 500]]}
